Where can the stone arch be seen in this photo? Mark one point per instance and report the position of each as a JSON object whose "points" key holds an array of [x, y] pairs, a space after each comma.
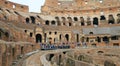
{"points": [[7, 34], [32, 19], [51, 56], [111, 19], [91, 33], [75, 19], [109, 63], [38, 38], [95, 21], [47, 22], [98, 39], [67, 37], [27, 20], [58, 20], [105, 39], [82, 21], [100, 52], [102, 17], [69, 18], [70, 24], [63, 18], [53, 22]]}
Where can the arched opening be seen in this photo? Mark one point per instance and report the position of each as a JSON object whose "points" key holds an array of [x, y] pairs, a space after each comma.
{"points": [[77, 38], [53, 22], [118, 19], [114, 38], [46, 22], [94, 45], [38, 38], [51, 56], [98, 39], [69, 19], [5, 17], [60, 37], [105, 39], [32, 19], [70, 24], [87, 39], [95, 21], [111, 19], [27, 20], [100, 52], [58, 20], [31, 34], [7, 34], [102, 17], [109, 63], [82, 21], [67, 37], [63, 19], [75, 19], [91, 33]]}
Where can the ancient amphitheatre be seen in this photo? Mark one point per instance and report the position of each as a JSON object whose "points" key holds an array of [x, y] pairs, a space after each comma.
{"points": [[65, 33]]}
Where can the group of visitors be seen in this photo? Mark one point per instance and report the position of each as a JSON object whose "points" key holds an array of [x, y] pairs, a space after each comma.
{"points": [[62, 45]]}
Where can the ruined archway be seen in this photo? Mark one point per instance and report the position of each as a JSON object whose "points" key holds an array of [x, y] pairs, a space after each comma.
{"points": [[105, 39], [32, 19], [95, 21], [67, 37], [111, 19], [53, 22], [38, 38], [102, 17], [98, 39], [75, 19], [27, 20], [47, 22]]}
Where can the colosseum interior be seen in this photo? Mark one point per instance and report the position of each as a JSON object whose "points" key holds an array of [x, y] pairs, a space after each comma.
{"points": [[65, 33]]}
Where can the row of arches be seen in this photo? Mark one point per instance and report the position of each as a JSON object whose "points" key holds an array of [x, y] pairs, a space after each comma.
{"points": [[102, 17], [39, 38], [32, 18]]}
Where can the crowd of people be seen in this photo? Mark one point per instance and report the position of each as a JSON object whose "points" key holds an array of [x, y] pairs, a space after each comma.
{"points": [[61, 46]]}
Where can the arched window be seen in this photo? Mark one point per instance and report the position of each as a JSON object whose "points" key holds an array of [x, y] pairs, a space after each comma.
{"points": [[111, 19], [75, 19], [90, 32], [47, 22], [95, 21], [102, 17], [38, 38], [53, 22], [32, 19], [27, 20], [67, 37]]}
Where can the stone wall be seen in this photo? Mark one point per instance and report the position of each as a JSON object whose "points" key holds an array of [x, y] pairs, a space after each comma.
{"points": [[13, 6]]}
